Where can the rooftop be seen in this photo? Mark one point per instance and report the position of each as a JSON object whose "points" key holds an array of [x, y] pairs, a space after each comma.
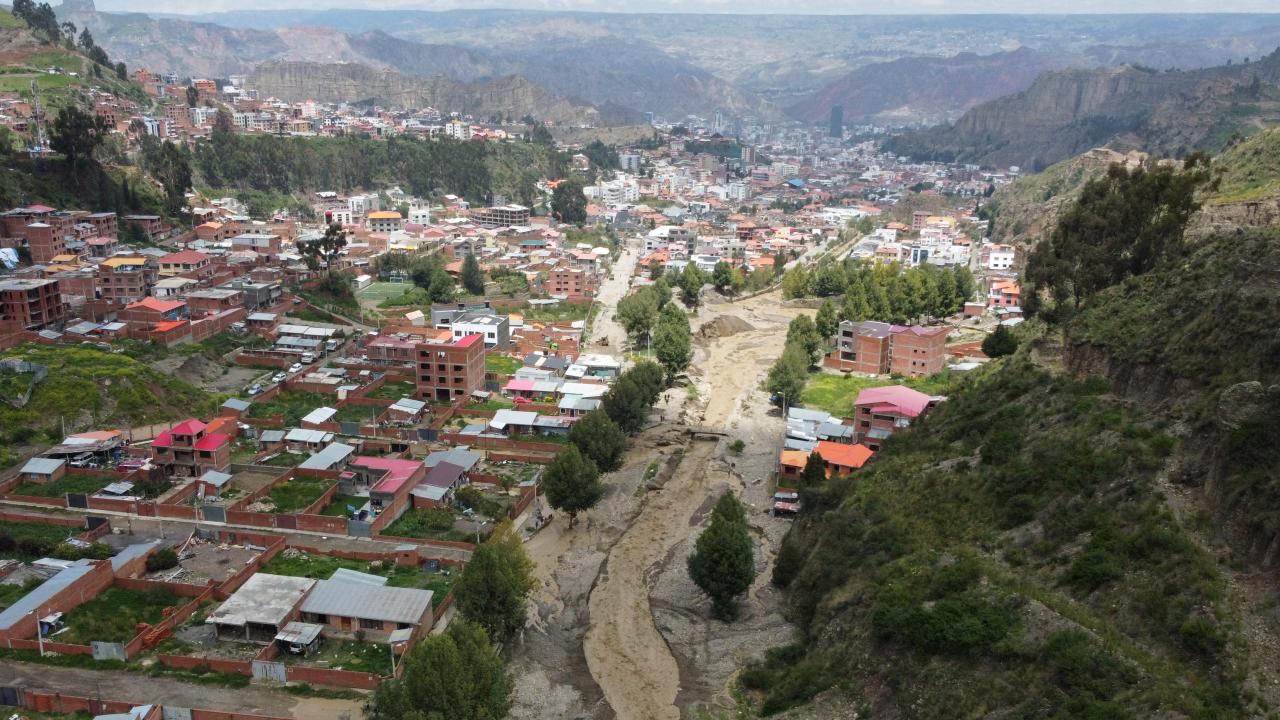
{"points": [[264, 599]]}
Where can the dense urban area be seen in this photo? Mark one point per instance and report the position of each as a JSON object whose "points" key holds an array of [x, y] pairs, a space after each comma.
{"points": [[399, 381]]}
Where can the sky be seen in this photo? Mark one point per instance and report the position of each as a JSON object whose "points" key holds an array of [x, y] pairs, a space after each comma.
{"points": [[850, 7]]}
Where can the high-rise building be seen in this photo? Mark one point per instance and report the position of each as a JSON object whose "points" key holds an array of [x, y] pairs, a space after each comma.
{"points": [[837, 121]]}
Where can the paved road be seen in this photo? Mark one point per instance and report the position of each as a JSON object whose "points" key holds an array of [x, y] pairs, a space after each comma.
{"points": [[611, 291], [140, 688]]}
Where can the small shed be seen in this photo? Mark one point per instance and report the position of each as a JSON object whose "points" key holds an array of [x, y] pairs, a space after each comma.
{"points": [[299, 638], [43, 470]]}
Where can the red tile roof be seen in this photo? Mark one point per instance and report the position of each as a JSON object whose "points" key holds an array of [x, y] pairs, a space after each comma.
{"points": [[188, 427], [854, 456], [184, 257], [151, 303], [212, 442], [893, 398]]}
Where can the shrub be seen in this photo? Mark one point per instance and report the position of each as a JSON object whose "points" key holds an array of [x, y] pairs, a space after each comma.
{"points": [[737, 446], [162, 559], [1096, 567]]}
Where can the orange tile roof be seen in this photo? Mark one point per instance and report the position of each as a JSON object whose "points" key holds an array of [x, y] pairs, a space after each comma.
{"points": [[793, 458], [854, 456]]}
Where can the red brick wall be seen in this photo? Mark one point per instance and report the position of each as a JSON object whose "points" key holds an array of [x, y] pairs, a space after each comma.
{"points": [[71, 597]]}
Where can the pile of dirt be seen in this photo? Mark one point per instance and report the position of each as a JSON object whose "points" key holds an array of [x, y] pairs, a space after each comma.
{"points": [[724, 326], [200, 369]]}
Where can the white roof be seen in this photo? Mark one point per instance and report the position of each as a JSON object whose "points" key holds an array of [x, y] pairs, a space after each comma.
{"points": [[303, 435], [264, 599], [320, 414], [504, 417]]}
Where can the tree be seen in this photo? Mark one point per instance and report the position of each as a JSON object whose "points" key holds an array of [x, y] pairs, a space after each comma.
{"points": [[122, 71], [326, 248], [722, 277], [673, 341], [827, 322], [86, 39], [999, 343], [789, 373], [170, 163], [856, 306], [494, 587], [804, 333], [815, 470], [572, 482], [76, 134], [691, 281], [649, 378], [1123, 224], [723, 564], [600, 440], [472, 275], [795, 284], [780, 262], [568, 203], [456, 674], [637, 313], [626, 404], [193, 96], [429, 274]]}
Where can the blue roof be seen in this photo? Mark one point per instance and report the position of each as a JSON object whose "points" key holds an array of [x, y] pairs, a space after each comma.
{"points": [[130, 552], [796, 183], [35, 599]]}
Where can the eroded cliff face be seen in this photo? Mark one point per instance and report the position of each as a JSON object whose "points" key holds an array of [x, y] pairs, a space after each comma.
{"points": [[348, 82]]}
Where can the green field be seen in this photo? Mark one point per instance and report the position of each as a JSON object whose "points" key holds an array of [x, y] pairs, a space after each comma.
{"points": [[68, 484], [836, 393], [394, 390], [321, 567], [297, 493], [379, 291], [337, 507], [501, 364], [113, 615], [293, 404]]}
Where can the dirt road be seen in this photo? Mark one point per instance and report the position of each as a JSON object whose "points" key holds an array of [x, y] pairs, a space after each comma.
{"points": [[611, 291], [142, 689]]}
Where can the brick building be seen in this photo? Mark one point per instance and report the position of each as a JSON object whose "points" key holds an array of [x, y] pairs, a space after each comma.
{"points": [[125, 280], [572, 283], [450, 369], [27, 304], [187, 449], [880, 412], [187, 263], [878, 348]]}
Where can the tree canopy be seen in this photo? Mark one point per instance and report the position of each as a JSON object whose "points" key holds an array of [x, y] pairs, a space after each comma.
{"points": [[472, 277], [1123, 224], [600, 439], [673, 340], [326, 248], [999, 343], [572, 482], [568, 203], [456, 675], [495, 585]]}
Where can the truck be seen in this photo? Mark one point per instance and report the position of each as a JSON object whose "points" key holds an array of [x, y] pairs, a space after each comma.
{"points": [[331, 345], [308, 358]]}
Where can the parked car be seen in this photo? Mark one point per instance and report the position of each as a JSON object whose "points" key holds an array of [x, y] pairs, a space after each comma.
{"points": [[255, 389], [278, 377], [295, 367]]}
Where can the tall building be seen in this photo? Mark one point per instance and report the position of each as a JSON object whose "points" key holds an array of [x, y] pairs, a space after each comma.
{"points": [[450, 369], [837, 121]]}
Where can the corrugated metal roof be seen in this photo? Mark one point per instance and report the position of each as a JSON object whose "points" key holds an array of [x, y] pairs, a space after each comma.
{"points": [[349, 575], [42, 466], [368, 602], [328, 457], [44, 593]]}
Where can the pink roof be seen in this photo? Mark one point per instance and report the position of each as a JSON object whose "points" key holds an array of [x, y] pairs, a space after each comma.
{"points": [[151, 303], [469, 340], [164, 440], [918, 330], [39, 209], [188, 427], [893, 398], [398, 471], [519, 385], [212, 442], [184, 257]]}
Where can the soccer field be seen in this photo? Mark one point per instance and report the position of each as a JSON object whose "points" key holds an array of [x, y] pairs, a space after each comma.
{"points": [[379, 291]]}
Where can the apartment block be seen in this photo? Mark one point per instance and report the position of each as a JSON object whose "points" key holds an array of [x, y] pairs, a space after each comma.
{"points": [[27, 304], [450, 369], [877, 348]]}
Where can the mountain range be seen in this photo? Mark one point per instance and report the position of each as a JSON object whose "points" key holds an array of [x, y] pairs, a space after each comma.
{"points": [[1129, 108], [891, 69]]}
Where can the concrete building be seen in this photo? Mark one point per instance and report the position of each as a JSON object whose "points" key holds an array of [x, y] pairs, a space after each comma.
{"points": [[448, 370], [502, 215], [27, 304], [260, 608]]}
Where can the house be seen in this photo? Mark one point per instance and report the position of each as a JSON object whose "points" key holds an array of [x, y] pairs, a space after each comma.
{"points": [[212, 483], [188, 263], [40, 471], [437, 487], [187, 449], [513, 422], [386, 476], [260, 608], [839, 458], [406, 410], [299, 638], [310, 441], [1004, 293], [30, 304], [594, 366], [333, 457], [349, 607], [880, 412]]}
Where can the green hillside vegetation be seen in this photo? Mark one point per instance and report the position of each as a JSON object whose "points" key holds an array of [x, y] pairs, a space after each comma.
{"points": [[1249, 170], [286, 165], [1011, 555], [89, 389]]}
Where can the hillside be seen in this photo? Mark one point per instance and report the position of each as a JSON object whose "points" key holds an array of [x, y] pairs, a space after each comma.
{"points": [[89, 388], [1129, 108], [1082, 530], [511, 96], [925, 88], [1025, 210]]}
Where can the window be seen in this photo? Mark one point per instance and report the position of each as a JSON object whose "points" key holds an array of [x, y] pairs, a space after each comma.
{"points": [[370, 624]]}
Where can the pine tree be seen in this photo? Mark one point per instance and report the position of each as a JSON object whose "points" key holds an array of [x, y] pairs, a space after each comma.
{"points": [[456, 674], [815, 470], [723, 564], [494, 587], [673, 340], [827, 322], [472, 276]]}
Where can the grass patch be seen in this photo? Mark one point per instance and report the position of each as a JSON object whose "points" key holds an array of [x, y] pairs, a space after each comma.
{"points": [[87, 484], [501, 364], [321, 567], [297, 493], [430, 524], [113, 615], [28, 541], [284, 459], [346, 655], [310, 315], [292, 404], [559, 312], [836, 393], [11, 593], [394, 390], [358, 414], [493, 403], [338, 506]]}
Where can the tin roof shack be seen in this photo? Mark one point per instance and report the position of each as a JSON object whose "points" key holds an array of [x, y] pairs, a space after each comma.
{"points": [[346, 605], [260, 608], [79, 582], [299, 638]]}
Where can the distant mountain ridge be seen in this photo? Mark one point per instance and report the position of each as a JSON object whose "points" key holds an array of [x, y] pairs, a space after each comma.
{"points": [[1130, 108], [510, 96]]}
